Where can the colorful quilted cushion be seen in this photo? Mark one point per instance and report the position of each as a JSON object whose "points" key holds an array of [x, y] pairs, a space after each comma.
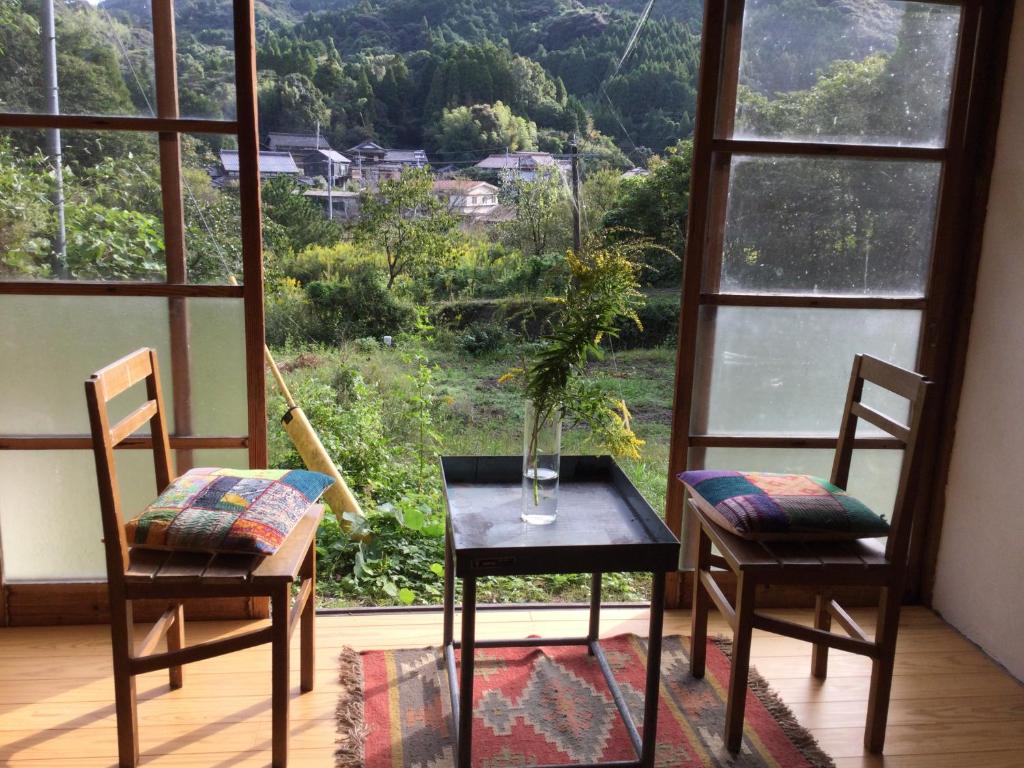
{"points": [[247, 511], [764, 505]]}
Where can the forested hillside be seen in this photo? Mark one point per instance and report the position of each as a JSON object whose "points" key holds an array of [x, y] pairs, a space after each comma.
{"points": [[394, 70]]}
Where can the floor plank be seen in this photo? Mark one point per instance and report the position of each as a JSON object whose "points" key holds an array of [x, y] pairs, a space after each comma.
{"points": [[952, 706]]}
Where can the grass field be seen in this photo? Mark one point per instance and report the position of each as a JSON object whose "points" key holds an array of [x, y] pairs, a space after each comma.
{"points": [[471, 412]]}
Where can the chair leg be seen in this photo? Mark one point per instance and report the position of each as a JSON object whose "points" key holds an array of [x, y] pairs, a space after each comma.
{"points": [[175, 642], [882, 669], [306, 629], [737, 698], [280, 604], [823, 621], [122, 640], [701, 606]]}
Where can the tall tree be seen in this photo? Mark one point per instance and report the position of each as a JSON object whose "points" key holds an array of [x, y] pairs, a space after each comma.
{"points": [[408, 224]]}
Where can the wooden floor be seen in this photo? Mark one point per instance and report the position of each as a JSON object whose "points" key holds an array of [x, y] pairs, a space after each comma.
{"points": [[951, 705]]}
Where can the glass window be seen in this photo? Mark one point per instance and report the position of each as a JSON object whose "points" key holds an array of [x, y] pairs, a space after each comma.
{"points": [[866, 73], [206, 59], [50, 517], [51, 344], [104, 67], [112, 209], [212, 209], [784, 371], [805, 225]]}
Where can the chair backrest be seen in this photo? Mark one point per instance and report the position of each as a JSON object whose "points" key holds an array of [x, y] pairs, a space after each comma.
{"points": [[100, 388], [914, 388]]}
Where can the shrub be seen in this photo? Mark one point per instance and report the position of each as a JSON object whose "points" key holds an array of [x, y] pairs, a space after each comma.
{"points": [[356, 306], [484, 338]]}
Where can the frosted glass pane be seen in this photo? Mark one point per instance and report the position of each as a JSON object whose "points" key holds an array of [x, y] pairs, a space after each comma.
{"points": [[50, 511], [874, 475], [51, 344], [876, 72], [785, 371], [829, 226]]}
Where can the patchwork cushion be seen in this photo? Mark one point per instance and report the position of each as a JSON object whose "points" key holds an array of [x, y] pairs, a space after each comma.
{"points": [[246, 511], [765, 505]]}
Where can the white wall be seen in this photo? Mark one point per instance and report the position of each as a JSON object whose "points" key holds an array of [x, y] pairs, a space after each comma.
{"points": [[980, 579]]}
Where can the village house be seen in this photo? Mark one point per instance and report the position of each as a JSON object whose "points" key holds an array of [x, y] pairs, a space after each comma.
{"points": [[313, 154], [271, 164], [467, 197], [521, 164], [372, 163]]}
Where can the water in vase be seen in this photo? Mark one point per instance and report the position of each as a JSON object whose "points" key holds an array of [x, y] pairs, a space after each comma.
{"points": [[540, 495]]}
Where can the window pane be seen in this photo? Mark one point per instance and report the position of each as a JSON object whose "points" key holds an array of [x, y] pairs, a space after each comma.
{"points": [[112, 210], [829, 226], [51, 344], [50, 512], [846, 72], [104, 59], [212, 211], [874, 475], [206, 59], [785, 371]]}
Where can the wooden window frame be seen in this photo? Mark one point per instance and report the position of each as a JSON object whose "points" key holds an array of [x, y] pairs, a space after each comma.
{"points": [[168, 126], [966, 163]]}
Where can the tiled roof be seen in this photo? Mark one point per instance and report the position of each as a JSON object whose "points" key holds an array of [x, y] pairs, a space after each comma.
{"points": [[301, 140], [270, 162], [332, 155], [516, 160]]}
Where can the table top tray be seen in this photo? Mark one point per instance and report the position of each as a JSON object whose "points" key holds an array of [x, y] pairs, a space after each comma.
{"points": [[604, 523]]}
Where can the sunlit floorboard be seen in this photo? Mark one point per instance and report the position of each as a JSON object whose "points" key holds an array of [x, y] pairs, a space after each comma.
{"points": [[951, 706]]}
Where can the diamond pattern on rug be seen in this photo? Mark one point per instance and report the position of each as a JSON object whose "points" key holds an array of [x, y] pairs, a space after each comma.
{"points": [[550, 705]]}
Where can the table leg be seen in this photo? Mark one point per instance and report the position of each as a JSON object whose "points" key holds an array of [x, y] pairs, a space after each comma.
{"points": [[449, 590], [652, 692], [464, 749], [595, 610]]}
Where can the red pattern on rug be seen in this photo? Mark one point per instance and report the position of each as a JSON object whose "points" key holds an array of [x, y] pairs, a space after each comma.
{"points": [[550, 705]]}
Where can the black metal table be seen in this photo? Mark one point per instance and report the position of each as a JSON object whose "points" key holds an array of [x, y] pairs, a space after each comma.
{"points": [[603, 525]]}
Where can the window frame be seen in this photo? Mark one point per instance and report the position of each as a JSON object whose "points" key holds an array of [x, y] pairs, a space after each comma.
{"points": [[965, 167], [168, 126]]}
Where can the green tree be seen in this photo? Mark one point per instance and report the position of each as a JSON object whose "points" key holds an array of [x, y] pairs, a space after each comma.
{"points": [[291, 221], [540, 223], [484, 127], [656, 207], [408, 224]]}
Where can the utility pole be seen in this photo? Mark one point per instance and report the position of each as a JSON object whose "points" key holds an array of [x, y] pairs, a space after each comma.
{"points": [[577, 231], [53, 147]]}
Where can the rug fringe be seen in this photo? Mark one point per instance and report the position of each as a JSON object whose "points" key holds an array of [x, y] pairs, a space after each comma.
{"points": [[801, 738], [352, 727]]}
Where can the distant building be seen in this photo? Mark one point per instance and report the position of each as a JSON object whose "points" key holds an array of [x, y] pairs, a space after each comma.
{"points": [[521, 164], [296, 143], [271, 164], [313, 154], [343, 203], [466, 197], [372, 163], [327, 163]]}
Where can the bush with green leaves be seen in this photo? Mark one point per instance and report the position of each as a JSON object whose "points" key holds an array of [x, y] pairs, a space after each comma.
{"points": [[356, 305]]}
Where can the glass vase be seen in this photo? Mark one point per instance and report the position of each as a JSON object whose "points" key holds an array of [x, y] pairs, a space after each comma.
{"points": [[542, 452]]}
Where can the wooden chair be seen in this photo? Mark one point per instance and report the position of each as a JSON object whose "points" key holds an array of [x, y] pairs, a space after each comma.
{"points": [[823, 565], [170, 577]]}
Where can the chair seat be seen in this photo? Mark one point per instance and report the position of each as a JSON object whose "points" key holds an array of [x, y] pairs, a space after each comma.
{"points": [[861, 560], [151, 566]]}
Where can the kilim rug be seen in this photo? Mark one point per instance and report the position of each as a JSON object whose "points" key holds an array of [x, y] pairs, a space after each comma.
{"points": [[550, 705]]}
